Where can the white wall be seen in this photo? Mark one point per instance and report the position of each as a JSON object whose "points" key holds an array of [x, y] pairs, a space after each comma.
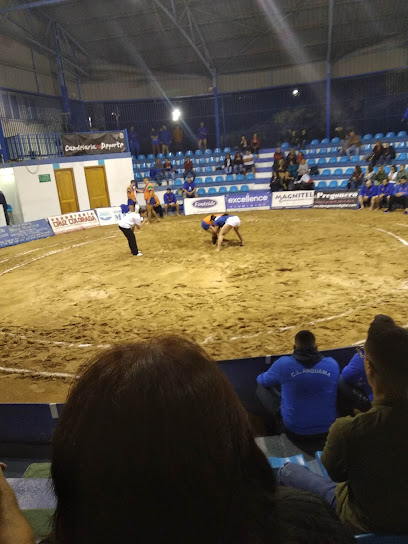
{"points": [[119, 173]]}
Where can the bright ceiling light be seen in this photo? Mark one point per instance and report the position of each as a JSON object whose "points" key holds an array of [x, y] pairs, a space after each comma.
{"points": [[176, 114], [295, 92]]}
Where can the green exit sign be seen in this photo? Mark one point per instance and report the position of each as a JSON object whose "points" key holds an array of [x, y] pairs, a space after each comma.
{"points": [[44, 177]]}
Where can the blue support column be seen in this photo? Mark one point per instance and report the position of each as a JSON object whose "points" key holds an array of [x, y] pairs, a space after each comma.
{"points": [[66, 106], [328, 69], [3, 146], [216, 112]]}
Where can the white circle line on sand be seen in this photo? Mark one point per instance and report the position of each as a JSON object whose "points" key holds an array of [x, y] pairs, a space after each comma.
{"points": [[404, 242], [36, 372]]}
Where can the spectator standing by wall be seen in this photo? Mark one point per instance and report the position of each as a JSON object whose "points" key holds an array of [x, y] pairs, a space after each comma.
{"points": [[255, 145], [134, 141], [178, 136], [165, 139], [155, 140], [202, 135]]}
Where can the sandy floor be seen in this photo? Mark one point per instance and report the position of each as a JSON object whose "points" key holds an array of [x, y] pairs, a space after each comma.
{"points": [[328, 270]]}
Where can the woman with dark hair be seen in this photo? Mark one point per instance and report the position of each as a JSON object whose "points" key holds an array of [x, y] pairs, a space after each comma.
{"points": [[238, 164], [357, 179], [153, 445]]}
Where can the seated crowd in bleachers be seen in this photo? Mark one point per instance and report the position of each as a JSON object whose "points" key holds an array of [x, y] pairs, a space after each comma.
{"points": [[152, 452]]}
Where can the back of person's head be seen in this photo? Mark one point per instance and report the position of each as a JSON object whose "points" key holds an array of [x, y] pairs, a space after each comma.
{"points": [[305, 340], [386, 349], [153, 445]]}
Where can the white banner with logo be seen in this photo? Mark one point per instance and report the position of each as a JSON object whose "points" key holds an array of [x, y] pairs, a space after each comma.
{"points": [[73, 221], [206, 204], [292, 199], [109, 216]]}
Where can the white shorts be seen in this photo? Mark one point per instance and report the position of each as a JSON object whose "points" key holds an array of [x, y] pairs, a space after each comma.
{"points": [[233, 221]]}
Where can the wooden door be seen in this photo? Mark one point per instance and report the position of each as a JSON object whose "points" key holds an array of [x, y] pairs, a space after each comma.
{"points": [[67, 194], [97, 186]]}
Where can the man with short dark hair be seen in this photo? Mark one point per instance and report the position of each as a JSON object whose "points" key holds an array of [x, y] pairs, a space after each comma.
{"points": [[400, 195], [170, 202], [368, 453], [189, 188], [308, 389]]}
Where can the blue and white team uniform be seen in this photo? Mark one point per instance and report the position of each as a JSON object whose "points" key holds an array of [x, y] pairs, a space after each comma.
{"points": [[232, 220]]}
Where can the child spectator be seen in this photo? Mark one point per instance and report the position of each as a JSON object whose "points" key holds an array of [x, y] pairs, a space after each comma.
{"points": [[293, 170]]}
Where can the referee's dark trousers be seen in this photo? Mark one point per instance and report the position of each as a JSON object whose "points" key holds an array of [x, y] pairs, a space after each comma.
{"points": [[131, 238]]}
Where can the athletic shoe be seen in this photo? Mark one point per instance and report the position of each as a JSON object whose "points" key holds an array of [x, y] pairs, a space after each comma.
{"points": [[139, 254], [386, 211]]}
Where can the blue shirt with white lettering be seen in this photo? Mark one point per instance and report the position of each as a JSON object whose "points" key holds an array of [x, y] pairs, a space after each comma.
{"points": [[189, 186], [368, 191], [354, 374], [308, 394], [400, 188]]}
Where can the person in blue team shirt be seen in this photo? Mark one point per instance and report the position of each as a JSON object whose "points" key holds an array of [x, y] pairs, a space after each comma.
{"points": [[301, 389], [134, 141], [189, 188], [367, 192], [223, 224], [170, 201], [384, 191], [202, 134], [354, 390], [399, 196], [165, 139]]}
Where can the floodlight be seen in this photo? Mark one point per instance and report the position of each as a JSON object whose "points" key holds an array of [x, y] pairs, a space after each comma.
{"points": [[176, 114], [295, 92]]}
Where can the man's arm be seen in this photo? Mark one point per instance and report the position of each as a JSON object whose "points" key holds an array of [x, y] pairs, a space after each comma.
{"points": [[334, 456], [354, 371], [272, 376]]}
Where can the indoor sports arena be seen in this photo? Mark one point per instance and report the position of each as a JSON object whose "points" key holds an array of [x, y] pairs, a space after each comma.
{"points": [[203, 254]]}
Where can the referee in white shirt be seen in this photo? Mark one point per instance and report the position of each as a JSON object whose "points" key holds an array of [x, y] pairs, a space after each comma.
{"points": [[127, 226]]}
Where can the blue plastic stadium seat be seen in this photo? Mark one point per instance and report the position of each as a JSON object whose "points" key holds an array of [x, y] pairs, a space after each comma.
{"points": [[199, 180], [198, 152], [201, 191], [233, 189], [333, 184], [326, 172], [208, 152], [136, 167], [138, 176], [151, 156], [244, 188], [208, 169], [212, 190], [355, 158], [285, 145], [227, 150], [170, 155], [332, 160], [188, 153], [178, 183], [338, 172], [207, 180], [343, 184], [212, 160], [311, 162], [381, 539], [322, 151], [248, 176], [315, 142], [321, 161], [402, 157], [325, 141], [402, 134], [349, 171], [221, 159], [201, 160], [143, 166], [141, 157], [344, 159], [179, 154], [241, 177], [387, 169], [223, 190], [379, 136], [400, 145], [219, 179], [198, 170], [335, 140], [277, 462], [390, 135], [230, 177], [321, 185], [367, 137], [217, 151], [160, 156]]}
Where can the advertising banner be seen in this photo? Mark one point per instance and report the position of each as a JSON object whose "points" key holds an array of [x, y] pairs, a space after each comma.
{"points": [[26, 232], [260, 200], [205, 204], [73, 221], [335, 199], [292, 199], [109, 216], [93, 143]]}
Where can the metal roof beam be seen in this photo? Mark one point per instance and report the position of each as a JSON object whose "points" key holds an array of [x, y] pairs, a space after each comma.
{"points": [[30, 5]]}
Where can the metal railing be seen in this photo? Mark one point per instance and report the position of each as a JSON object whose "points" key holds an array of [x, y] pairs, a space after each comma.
{"points": [[32, 146]]}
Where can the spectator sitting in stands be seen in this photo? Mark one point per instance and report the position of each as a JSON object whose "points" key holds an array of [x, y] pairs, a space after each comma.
{"points": [[293, 170], [354, 391], [168, 171], [228, 164], [291, 156], [213, 484], [249, 165], [389, 154], [188, 168], [367, 454], [366, 194], [399, 196], [189, 188], [202, 134], [369, 173], [300, 157], [376, 154], [238, 164], [283, 174], [306, 183], [303, 168], [275, 183], [156, 172], [353, 144], [255, 145], [384, 191], [165, 139], [402, 172], [170, 202], [294, 138], [300, 390], [379, 176], [277, 157], [356, 180], [243, 144], [178, 136], [155, 140], [393, 175]]}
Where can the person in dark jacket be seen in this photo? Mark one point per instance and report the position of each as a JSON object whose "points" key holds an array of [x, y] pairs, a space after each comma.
{"points": [[389, 154], [376, 154], [3, 202], [356, 180]]}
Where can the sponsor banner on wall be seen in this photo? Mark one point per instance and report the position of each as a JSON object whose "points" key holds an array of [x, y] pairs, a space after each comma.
{"points": [[292, 199], [109, 216], [261, 200], [26, 232], [93, 143], [205, 204], [335, 199], [73, 221]]}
